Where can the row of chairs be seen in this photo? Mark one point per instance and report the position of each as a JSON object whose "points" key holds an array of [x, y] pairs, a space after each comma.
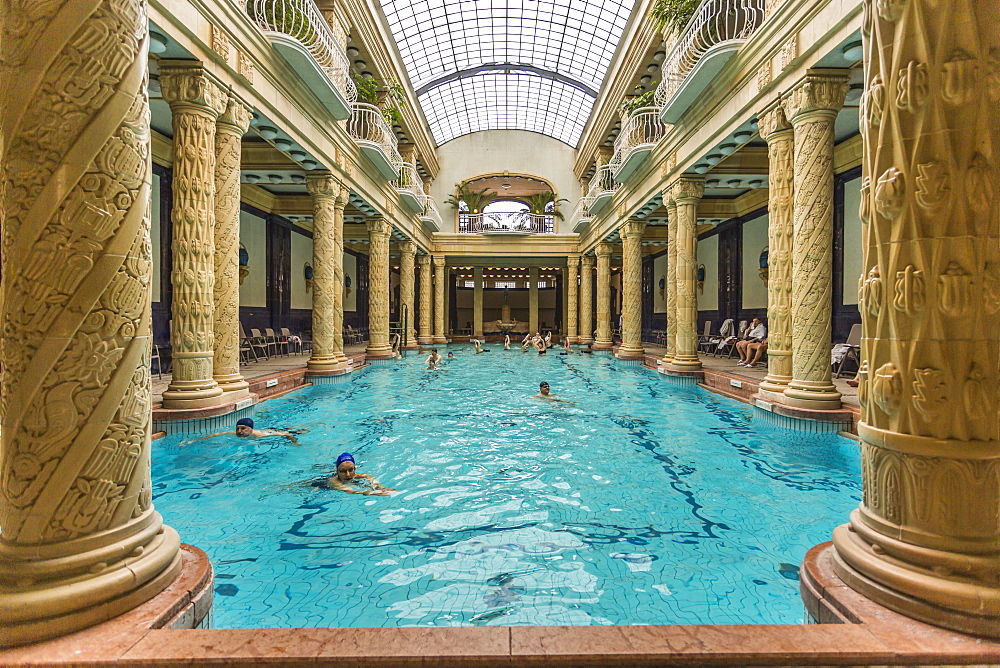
{"points": [[264, 345]]}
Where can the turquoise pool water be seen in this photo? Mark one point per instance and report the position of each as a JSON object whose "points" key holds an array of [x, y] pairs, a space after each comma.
{"points": [[642, 503]]}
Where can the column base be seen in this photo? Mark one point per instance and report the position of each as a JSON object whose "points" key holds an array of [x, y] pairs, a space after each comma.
{"points": [[815, 395], [602, 344], [425, 340], [685, 363], [773, 387], [585, 341], [233, 386], [629, 351], [439, 340], [85, 581], [324, 363], [193, 394], [941, 588], [378, 352], [573, 339]]}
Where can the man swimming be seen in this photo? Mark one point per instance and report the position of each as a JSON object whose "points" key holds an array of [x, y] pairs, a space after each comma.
{"points": [[544, 392], [244, 429], [433, 359], [347, 473]]}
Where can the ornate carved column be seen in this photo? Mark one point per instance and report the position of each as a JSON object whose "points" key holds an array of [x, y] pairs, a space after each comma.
{"points": [[631, 233], [81, 541], [603, 340], [587, 299], [229, 130], [533, 299], [686, 193], [379, 230], [337, 262], [671, 342], [324, 190], [777, 132], [440, 285], [426, 335], [477, 303], [926, 539], [195, 103], [812, 108], [407, 251], [572, 297]]}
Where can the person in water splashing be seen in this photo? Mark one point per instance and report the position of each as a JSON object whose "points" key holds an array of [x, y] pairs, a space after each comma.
{"points": [[544, 393], [347, 475]]}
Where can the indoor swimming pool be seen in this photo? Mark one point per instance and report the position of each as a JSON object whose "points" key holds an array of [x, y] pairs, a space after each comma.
{"points": [[640, 503]]}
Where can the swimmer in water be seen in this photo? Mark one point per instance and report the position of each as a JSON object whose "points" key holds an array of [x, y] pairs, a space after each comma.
{"points": [[544, 393], [451, 356], [244, 429], [433, 359], [506, 342], [347, 473]]}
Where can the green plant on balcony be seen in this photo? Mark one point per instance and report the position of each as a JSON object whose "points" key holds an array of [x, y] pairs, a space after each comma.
{"points": [[284, 17], [545, 202], [641, 99], [671, 16], [390, 104], [472, 201]]}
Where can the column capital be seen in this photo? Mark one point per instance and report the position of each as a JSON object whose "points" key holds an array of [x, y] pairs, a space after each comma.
{"points": [[378, 226], [573, 261], [185, 82], [587, 260], [236, 116], [603, 249], [773, 121], [438, 259], [322, 184], [818, 91], [687, 189], [632, 228], [407, 247], [424, 260]]}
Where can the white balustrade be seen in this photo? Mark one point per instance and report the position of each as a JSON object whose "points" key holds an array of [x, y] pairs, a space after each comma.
{"points": [[368, 127], [431, 214], [411, 186], [639, 134], [518, 222], [603, 182], [581, 214], [714, 22], [302, 20]]}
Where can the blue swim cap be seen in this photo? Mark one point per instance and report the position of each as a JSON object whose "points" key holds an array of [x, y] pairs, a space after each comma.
{"points": [[244, 422], [346, 457]]}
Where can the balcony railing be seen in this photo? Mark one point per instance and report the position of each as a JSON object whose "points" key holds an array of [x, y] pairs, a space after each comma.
{"points": [[430, 216], [639, 135], [302, 21], [520, 222], [715, 32], [602, 187], [372, 133], [581, 215], [410, 187]]}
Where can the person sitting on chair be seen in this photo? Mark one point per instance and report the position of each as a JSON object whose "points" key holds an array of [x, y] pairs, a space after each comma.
{"points": [[755, 350], [755, 333]]}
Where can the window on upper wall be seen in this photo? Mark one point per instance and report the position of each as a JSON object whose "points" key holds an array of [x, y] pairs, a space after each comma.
{"points": [[504, 284]]}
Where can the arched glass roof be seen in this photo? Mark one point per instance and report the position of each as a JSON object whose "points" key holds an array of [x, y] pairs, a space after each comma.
{"points": [[507, 64]]}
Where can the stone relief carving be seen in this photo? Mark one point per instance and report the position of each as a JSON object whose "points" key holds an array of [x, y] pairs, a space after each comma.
{"points": [[603, 254], [379, 230], [685, 194], [586, 299], [324, 189], [220, 42], [631, 287], [245, 66]]}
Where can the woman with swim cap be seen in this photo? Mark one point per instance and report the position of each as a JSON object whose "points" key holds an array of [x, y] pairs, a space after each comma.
{"points": [[347, 473]]}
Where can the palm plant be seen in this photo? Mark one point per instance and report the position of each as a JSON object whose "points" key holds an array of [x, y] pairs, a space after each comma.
{"points": [[474, 201], [545, 202]]}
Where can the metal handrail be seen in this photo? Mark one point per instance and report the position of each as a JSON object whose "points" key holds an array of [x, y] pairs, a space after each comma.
{"points": [[430, 211], [714, 22], [643, 127], [518, 222], [410, 180], [603, 181], [367, 124], [582, 210], [302, 20]]}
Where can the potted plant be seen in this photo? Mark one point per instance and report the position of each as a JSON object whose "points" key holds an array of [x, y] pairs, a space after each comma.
{"points": [[472, 200], [672, 16], [545, 203]]}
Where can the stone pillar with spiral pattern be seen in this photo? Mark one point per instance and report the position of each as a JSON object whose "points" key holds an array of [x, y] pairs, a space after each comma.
{"points": [[811, 107], [440, 285], [81, 541], [671, 341], [925, 540], [603, 340], [407, 252], [229, 129], [572, 297], [686, 194], [425, 336], [324, 190], [587, 300], [631, 233], [777, 132], [379, 230], [195, 104]]}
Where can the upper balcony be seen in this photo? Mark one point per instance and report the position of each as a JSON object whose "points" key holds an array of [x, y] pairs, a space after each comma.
{"points": [[298, 31], [581, 215], [514, 223], [602, 187], [639, 135], [713, 35], [372, 133], [410, 187], [430, 216]]}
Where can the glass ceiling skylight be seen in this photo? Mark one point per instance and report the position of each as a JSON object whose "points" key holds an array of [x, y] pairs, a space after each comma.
{"points": [[507, 64]]}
